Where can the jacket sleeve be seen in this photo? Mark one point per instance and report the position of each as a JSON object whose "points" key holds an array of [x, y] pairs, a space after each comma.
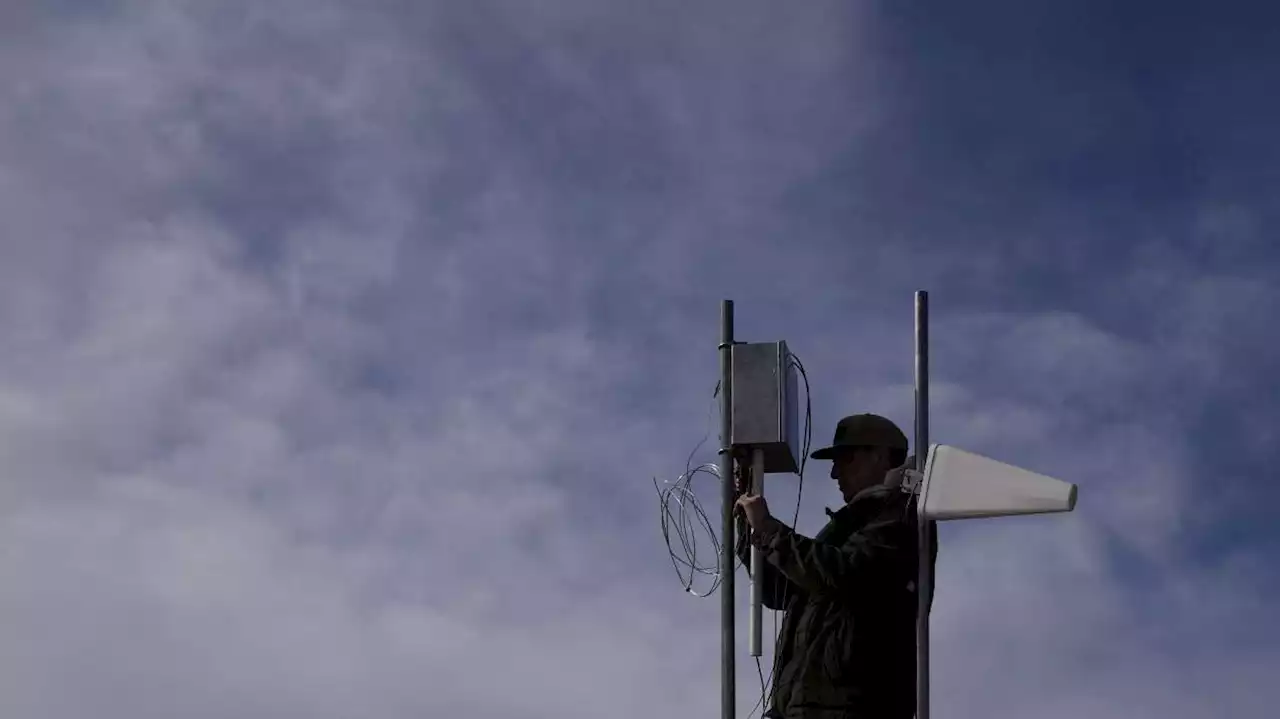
{"points": [[882, 550], [777, 589]]}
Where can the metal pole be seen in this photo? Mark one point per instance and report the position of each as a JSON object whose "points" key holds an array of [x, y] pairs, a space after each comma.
{"points": [[924, 587], [728, 684], [757, 563]]}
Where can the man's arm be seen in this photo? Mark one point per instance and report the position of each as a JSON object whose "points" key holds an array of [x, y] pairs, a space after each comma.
{"points": [[880, 551], [777, 590]]}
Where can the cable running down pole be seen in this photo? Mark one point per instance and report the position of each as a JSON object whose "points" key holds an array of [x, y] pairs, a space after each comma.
{"points": [[756, 630]]}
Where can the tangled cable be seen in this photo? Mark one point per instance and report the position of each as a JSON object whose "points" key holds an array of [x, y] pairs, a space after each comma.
{"points": [[682, 519], [684, 515]]}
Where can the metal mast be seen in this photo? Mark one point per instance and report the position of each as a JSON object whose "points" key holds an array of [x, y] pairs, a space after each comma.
{"points": [[728, 683], [924, 585]]}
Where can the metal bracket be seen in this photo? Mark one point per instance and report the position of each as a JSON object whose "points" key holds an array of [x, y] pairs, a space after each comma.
{"points": [[911, 481]]}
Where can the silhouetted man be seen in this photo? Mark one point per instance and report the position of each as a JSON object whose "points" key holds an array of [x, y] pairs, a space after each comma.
{"points": [[846, 647]]}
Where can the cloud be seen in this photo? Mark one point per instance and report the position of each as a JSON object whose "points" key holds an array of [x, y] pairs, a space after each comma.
{"points": [[340, 346], [209, 608]]}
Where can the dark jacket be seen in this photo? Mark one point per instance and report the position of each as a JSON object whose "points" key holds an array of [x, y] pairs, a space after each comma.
{"points": [[847, 645]]}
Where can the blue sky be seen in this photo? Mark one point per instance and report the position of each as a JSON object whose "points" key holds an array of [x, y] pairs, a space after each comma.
{"points": [[340, 343]]}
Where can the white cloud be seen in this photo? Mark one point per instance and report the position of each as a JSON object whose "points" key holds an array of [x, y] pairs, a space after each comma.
{"points": [[311, 405]]}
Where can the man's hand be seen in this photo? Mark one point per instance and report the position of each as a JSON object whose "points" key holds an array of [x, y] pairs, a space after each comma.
{"points": [[756, 510], [741, 479]]}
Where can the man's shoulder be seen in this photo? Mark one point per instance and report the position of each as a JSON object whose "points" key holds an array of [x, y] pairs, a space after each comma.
{"points": [[885, 496], [876, 505]]}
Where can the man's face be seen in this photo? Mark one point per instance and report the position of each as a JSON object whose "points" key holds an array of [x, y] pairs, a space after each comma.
{"points": [[855, 469]]}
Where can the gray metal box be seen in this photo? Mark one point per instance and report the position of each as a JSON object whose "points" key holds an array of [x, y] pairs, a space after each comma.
{"points": [[765, 404]]}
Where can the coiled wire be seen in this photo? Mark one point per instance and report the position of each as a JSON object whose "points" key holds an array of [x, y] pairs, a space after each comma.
{"points": [[681, 514], [681, 511]]}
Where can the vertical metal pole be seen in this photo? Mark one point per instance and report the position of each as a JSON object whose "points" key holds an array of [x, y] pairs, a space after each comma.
{"points": [[728, 683], [756, 630], [924, 587]]}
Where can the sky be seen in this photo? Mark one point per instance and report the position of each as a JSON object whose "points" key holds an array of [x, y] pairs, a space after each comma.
{"points": [[341, 343]]}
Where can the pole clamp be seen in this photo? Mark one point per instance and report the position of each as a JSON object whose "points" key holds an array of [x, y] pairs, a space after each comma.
{"points": [[911, 481]]}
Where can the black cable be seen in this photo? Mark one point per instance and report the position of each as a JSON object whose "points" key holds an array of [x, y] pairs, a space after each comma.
{"points": [[808, 433], [766, 693], [759, 705]]}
